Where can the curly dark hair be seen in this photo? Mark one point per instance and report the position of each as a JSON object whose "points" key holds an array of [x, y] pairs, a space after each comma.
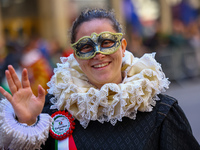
{"points": [[90, 14]]}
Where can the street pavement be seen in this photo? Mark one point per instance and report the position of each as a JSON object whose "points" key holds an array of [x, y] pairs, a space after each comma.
{"points": [[187, 92]]}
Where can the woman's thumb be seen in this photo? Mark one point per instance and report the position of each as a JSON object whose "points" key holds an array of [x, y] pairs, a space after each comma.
{"points": [[41, 92]]}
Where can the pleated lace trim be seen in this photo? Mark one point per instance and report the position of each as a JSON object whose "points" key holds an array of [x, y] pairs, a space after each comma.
{"points": [[143, 80], [17, 136]]}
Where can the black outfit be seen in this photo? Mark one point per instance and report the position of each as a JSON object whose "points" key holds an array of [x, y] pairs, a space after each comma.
{"points": [[165, 128]]}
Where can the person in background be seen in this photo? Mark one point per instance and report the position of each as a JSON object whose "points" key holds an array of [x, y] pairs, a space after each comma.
{"points": [[12, 57], [38, 67], [100, 97]]}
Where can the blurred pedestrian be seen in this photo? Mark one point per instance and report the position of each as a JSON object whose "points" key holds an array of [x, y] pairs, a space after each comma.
{"points": [[38, 67], [13, 57]]}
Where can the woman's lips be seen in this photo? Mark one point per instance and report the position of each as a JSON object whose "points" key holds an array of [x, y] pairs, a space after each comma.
{"points": [[101, 65]]}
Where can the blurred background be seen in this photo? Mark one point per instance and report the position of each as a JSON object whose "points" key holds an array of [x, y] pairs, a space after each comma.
{"points": [[35, 34]]}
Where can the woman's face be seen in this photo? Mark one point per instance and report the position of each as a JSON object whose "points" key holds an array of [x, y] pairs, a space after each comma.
{"points": [[101, 68]]}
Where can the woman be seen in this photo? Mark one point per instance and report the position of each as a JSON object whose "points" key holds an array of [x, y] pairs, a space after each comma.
{"points": [[113, 96]]}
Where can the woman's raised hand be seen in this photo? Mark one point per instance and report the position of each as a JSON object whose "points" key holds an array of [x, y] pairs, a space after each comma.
{"points": [[25, 104]]}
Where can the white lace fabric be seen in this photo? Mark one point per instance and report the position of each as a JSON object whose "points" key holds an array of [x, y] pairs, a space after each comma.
{"points": [[17, 136], [143, 80]]}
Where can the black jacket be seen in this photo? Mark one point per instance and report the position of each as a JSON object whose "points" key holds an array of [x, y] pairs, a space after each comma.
{"points": [[165, 128]]}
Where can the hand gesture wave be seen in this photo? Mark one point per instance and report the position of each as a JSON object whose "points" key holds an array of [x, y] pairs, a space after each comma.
{"points": [[25, 104]]}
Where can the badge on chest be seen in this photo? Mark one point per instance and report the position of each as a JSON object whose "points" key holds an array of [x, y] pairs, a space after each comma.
{"points": [[62, 126]]}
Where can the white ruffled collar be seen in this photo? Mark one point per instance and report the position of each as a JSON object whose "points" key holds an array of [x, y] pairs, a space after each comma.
{"points": [[143, 80]]}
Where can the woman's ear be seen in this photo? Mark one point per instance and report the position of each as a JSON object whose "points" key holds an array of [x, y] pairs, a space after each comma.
{"points": [[123, 46], [74, 55]]}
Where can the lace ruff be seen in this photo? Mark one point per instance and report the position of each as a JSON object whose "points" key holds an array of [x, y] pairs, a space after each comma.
{"points": [[143, 80], [17, 136]]}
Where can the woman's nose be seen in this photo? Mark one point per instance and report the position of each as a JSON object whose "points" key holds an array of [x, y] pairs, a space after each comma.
{"points": [[99, 56]]}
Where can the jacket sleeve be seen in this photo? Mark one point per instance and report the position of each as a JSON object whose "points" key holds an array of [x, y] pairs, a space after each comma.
{"points": [[17, 136], [176, 131]]}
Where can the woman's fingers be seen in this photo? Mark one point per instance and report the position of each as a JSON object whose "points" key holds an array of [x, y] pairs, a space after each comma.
{"points": [[13, 80], [25, 80], [6, 94], [41, 92], [11, 83], [41, 95], [14, 77]]}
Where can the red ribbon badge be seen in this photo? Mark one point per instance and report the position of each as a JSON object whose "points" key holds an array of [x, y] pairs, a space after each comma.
{"points": [[62, 126]]}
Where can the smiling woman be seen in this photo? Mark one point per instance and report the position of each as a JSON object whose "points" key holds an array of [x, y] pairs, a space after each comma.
{"points": [[100, 97], [105, 66]]}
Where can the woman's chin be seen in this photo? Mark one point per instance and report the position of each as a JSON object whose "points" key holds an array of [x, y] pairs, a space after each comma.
{"points": [[100, 81]]}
